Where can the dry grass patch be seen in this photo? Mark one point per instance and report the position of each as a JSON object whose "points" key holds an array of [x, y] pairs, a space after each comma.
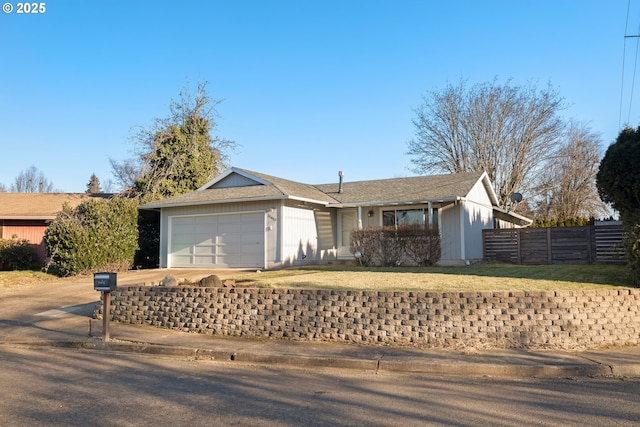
{"points": [[488, 277], [485, 277], [16, 278]]}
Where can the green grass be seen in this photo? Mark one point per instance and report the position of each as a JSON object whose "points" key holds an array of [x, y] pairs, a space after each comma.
{"points": [[486, 277]]}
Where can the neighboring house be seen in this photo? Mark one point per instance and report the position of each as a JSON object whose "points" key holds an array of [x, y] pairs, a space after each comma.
{"points": [[27, 215], [245, 219]]}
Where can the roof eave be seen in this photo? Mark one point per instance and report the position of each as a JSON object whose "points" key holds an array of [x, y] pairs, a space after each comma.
{"points": [[29, 217], [397, 202], [514, 217], [152, 206]]}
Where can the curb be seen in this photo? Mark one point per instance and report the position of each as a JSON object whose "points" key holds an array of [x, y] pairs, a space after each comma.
{"points": [[498, 370]]}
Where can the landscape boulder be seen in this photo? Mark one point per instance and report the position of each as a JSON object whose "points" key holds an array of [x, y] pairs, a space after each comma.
{"points": [[169, 281], [212, 281]]}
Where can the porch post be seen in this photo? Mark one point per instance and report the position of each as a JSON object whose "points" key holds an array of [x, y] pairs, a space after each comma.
{"points": [[359, 217], [462, 223], [430, 213]]}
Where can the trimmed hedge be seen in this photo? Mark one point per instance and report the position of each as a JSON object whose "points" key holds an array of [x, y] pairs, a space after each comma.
{"points": [[406, 244], [96, 235]]}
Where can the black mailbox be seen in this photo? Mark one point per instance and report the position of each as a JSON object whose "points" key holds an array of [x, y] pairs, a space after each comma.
{"points": [[105, 281]]}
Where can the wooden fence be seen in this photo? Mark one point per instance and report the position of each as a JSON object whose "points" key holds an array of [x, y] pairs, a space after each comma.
{"points": [[594, 244]]}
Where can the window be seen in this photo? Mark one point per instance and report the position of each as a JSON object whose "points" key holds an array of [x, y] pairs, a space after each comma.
{"points": [[408, 216]]}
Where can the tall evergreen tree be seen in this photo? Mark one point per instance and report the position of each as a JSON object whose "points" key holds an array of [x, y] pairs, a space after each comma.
{"points": [[177, 154], [618, 182], [93, 187]]}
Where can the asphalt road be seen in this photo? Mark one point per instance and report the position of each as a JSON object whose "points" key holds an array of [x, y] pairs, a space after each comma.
{"points": [[56, 387]]}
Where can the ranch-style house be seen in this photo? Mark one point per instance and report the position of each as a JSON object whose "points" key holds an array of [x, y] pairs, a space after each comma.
{"points": [[246, 219]]}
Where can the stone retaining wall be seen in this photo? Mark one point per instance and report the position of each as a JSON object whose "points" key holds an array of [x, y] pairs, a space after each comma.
{"points": [[568, 319]]}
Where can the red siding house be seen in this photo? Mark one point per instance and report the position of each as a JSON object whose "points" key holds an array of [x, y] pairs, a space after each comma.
{"points": [[27, 215]]}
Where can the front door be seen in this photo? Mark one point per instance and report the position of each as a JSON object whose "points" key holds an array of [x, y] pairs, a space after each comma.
{"points": [[347, 221]]}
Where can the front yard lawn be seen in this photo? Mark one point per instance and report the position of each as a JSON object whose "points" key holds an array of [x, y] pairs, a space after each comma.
{"points": [[485, 277]]}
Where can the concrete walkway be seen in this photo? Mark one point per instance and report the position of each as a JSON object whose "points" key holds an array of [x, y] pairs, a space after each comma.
{"points": [[59, 315]]}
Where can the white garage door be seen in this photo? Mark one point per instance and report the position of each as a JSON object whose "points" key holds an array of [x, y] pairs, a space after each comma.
{"points": [[233, 240]]}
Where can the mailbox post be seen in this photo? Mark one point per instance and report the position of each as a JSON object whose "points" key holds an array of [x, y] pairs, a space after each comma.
{"points": [[105, 283]]}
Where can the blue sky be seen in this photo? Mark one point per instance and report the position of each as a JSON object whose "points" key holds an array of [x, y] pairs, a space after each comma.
{"points": [[308, 88]]}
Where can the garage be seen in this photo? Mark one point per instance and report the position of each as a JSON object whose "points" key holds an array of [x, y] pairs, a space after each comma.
{"points": [[219, 241]]}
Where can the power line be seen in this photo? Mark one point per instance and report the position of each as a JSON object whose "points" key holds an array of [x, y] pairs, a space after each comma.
{"points": [[624, 51]]}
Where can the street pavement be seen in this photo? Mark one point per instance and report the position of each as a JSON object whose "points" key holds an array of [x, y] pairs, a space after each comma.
{"points": [[59, 315]]}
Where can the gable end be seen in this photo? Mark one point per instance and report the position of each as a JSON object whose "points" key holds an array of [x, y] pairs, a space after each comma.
{"points": [[234, 180]]}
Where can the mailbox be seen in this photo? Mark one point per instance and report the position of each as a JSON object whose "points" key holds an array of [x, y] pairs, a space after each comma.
{"points": [[105, 281]]}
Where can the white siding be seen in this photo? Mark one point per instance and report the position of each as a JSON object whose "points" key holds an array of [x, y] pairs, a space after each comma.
{"points": [[235, 180], [477, 218], [308, 235], [478, 194]]}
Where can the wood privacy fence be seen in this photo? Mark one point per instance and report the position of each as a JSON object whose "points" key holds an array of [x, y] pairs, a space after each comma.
{"points": [[594, 244]]}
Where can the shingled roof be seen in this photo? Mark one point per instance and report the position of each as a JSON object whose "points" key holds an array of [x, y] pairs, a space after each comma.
{"points": [[37, 206], [267, 187], [403, 190]]}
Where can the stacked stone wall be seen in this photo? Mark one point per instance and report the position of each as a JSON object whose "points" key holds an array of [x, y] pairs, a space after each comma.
{"points": [[568, 319]]}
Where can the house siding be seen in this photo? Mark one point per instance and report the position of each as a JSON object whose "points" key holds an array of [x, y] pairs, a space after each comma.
{"points": [[477, 218], [31, 230], [308, 235], [235, 180]]}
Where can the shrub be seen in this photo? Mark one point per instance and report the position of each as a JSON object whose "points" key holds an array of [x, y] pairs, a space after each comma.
{"points": [[365, 244], [18, 254], [421, 244], [618, 180], [394, 246], [631, 242], [96, 235], [562, 222]]}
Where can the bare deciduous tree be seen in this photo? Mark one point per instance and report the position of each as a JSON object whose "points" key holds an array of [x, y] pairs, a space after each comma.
{"points": [[507, 131], [32, 181], [125, 172], [570, 177]]}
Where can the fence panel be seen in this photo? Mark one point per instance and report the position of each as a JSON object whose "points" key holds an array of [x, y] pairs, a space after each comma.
{"points": [[571, 245], [534, 246], [501, 245], [608, 243], [595, 244]]}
